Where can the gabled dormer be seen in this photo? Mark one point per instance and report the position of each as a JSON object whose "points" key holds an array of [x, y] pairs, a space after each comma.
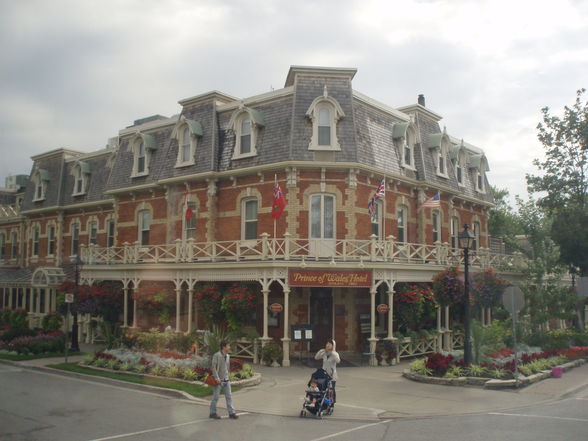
{"points": [[81, 174], [40, 180], [478, 164], [246, 123], [405, 137], [187, 132], [324, 113], [439, 144], [142, 147]]}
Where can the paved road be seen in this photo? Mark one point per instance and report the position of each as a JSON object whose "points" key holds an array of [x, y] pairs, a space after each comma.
{"points": [[36, 405]]}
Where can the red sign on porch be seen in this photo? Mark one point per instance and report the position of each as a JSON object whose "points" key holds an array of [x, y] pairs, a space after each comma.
{"points": [[382, 308], [333, 279], [275, 307]]}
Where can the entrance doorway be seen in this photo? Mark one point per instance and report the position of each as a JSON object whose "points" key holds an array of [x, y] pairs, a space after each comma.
{"points": [[321, 316]]}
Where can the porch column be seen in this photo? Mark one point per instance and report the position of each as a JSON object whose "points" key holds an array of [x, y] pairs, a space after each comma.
{"points": [[265, 338], [448, 337], [286, 339], [134, 309], [38, 306], [25, 294], [190, 307], [390, 315], [47, 300], [373, 339], [9, 298], [126, 307], [178, 293], [440, 337], [31, 307]]}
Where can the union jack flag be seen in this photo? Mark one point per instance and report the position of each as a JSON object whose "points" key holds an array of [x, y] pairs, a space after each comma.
{"points": [[379, 194]]}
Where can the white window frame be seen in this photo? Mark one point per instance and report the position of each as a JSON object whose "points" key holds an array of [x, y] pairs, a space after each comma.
{"points": [[335, 114], [189, 227], [80, 179], [141, 230], [402, 214], [454, 226], [92, 232], [136, 142], [75, 238], [41, 185], [322, 217], [436, 224], [378, 220], [110, 232], [36, 239], [480, 187], [51, 229], [253, 135], [245, 220], [408, 144], [182, 144], [13, 245], [476, 232]]}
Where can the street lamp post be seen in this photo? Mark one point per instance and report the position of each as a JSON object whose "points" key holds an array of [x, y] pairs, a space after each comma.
{"points": [[75, 345], [466, 239]]}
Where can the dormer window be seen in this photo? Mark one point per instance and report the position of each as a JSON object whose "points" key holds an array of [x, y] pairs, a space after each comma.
{"points": [[186, 132], [439, 144], [142, 147], [246, 123], [404, 137], [479, 165], [324, 112], [81, 172], [40, 179]]}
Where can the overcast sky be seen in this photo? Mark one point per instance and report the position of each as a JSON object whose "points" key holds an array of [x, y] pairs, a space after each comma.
{"points": [[73, 73]]}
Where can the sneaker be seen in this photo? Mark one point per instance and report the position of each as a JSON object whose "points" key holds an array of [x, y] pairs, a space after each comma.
{"points": [[214, 416], [234, 416]]}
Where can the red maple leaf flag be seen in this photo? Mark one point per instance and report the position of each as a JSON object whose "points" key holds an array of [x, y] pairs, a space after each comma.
{"points": [[188, 213], [279, 202]]}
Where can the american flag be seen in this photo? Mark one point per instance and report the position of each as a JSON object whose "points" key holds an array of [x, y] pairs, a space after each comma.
{"points": [[434, 202], [379, 194]]}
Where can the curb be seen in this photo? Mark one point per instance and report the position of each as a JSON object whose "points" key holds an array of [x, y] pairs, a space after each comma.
{"points": [[489, 383]]}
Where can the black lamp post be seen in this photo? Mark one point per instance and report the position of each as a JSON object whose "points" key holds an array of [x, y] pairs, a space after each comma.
{"points": [[75, 345], [466, 238]]}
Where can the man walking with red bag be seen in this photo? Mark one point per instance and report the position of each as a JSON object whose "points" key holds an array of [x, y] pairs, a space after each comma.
{"points": [[220, 367]]}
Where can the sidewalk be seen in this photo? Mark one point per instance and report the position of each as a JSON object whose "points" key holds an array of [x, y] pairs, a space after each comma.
{"points": [[372, 393]]}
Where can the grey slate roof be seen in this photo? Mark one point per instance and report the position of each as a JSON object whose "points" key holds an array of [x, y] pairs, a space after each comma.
{"points": [[15, 275], [365, 135]]}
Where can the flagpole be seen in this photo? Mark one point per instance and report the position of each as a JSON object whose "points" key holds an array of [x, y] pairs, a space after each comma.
{"points": [[275, 183]]}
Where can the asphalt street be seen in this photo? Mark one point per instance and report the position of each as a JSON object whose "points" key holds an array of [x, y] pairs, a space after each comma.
{"points": [[37, 405]]}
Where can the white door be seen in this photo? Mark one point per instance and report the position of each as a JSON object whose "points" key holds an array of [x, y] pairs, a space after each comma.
{"points": [[322, 225]]}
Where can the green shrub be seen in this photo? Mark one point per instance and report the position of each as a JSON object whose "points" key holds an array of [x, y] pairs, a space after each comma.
{"points": [[419, 366], [11, 334], [497, 373], [18, 319], [88, 359], [525, 370], [173, 372], [140, 368], [158, 371], [476, 370], [124, 367], [188, 374], [100, 362], [52, 322], [271, 351], [112, 364]]}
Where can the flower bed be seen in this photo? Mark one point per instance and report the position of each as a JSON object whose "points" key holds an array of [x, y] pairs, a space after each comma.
{"points": [[533, 366], [173, 366], [35, 344]]}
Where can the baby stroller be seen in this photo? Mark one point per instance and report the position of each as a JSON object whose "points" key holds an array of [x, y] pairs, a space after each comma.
{"points": [[324, 397]]}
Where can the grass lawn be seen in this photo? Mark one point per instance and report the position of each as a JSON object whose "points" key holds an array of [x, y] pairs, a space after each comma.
{"points": [[22, 357], [193, 389]]}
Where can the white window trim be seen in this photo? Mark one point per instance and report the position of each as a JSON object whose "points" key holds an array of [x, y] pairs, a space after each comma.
{"points": [[336, 113], [90, 222], [379, 218], [140, 226], [71, 232], [459, 164], [237, 130], [185, 223], [436, 227], [408, 141], [38, 181], [107, 228], [454, 234], [438, 154], [180, 137], [322, 216], [248, 242], [79, 175], [404, 223], [50, 225], [480, 177], [135, 142]]}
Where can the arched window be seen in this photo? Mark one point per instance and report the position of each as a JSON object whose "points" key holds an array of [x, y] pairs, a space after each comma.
{"points": [[454, 232], [322, 216], [13, 245], [92, 232], [75, 238], [36, 234], [40, 180], [186, 132], [50, 240], [376, 220], [140, 149], [324, 112], [189, 225], [144, 226], [436, 221], [408, 150], [185, 145], [401, 219], [110, 232], [249, 210], [246, 123]]}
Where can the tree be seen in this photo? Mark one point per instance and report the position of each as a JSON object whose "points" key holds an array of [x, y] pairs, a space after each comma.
{"points": [[502, 220], [563, 182]]}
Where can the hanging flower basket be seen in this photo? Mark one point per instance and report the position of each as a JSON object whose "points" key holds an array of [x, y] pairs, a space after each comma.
{"points": [[448, 287], [487, 288]]}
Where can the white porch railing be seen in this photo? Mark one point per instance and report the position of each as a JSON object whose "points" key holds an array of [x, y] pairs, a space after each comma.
{"points": [[408, 347], [297, 249]]}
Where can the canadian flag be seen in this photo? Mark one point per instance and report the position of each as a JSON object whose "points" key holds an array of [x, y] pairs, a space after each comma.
{"points": [[188, 213], [279, 202]]}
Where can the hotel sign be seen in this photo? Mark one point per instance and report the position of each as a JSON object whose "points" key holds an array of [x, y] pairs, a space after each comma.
{"points": [[333, 279]]}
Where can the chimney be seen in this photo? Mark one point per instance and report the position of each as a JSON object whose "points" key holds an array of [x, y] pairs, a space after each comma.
{"points": [[421, 100]]}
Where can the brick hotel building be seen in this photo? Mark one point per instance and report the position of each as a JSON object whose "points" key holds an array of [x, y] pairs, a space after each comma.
{"points": [[326, 260]]}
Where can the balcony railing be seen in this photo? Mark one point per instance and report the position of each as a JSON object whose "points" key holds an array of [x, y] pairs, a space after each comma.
{"points": [[288, 249]]}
